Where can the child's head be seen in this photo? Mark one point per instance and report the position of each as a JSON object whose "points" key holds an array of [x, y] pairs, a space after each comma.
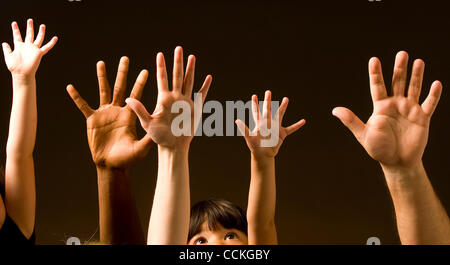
{"points": [[217, 222]]}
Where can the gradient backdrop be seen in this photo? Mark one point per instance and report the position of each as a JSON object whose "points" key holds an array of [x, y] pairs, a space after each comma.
{"points": [[329, 189]]}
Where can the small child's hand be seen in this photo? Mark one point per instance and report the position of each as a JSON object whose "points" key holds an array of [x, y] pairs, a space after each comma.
{"points": [[254, 138], [24, 60]]}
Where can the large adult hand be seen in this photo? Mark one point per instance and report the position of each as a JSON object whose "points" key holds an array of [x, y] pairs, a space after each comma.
{"points": [[24, 60], [111, 128], [159, 124], [265, 121], [397, 132]]}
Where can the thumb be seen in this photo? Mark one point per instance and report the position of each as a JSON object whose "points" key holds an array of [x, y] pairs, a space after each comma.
{"points": [[351, 121], [243, 128], [6, 51], [6, 48], [140, 111]]}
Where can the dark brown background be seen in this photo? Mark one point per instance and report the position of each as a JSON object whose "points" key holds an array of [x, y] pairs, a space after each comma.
{"points": [[329, 190]]}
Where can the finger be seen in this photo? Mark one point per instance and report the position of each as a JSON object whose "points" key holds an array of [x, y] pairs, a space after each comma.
{"points": [[30, 31], [267, 105], [400, 72], [120, 86], [47, 47], [189, 78], [40, 37], [177, 79], [205, 88], [431, 102], [351, 121], [282, 110], [142, 146], [255, 110], [295, 127], [161, 73], [16, 33], [415, 85], [6, 49], [103, 84], [138, 88], [140, 111], [79, 101], [377, 86], [245, 131]]}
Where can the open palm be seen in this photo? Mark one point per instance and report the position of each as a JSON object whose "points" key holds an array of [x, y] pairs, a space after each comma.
{"points": [[159, 124], [27, 55], [397, 132], [111, 128], [264, 122]]}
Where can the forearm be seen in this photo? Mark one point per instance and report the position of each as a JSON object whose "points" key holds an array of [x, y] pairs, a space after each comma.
{"points": [[20, 199], [262, 202], [119, 219], [421, 218], [2, 212], [23, 121], [169, 220]]}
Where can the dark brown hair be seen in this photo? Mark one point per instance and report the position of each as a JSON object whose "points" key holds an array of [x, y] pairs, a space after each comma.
{"points": [[215, 212]]}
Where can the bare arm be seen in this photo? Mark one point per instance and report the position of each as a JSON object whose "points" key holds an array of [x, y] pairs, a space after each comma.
{"points": [[20, 192], [115, 149], [262, 194], [2, 212], [421, 218], [119, 219], [23, 62], [396, 136], [262, 202], [169, 220]]}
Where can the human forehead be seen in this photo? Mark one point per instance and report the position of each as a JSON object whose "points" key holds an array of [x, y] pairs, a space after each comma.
{"points": [[219, 230], [218, 234], [204, 228]]}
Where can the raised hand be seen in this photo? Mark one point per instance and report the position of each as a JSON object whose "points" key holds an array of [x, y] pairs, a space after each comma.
{"points": [[397, 132], [169, 220], [254, 138], [24, 60], [111, 128], [159, 124]]}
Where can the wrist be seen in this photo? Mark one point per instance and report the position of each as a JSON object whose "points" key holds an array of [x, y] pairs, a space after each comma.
{"points": [[262, 159], [173, 164], [23, 78], [401, 177], [180, 149], [24, 83], [111, 174], [170, 152], [262, 163]]}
